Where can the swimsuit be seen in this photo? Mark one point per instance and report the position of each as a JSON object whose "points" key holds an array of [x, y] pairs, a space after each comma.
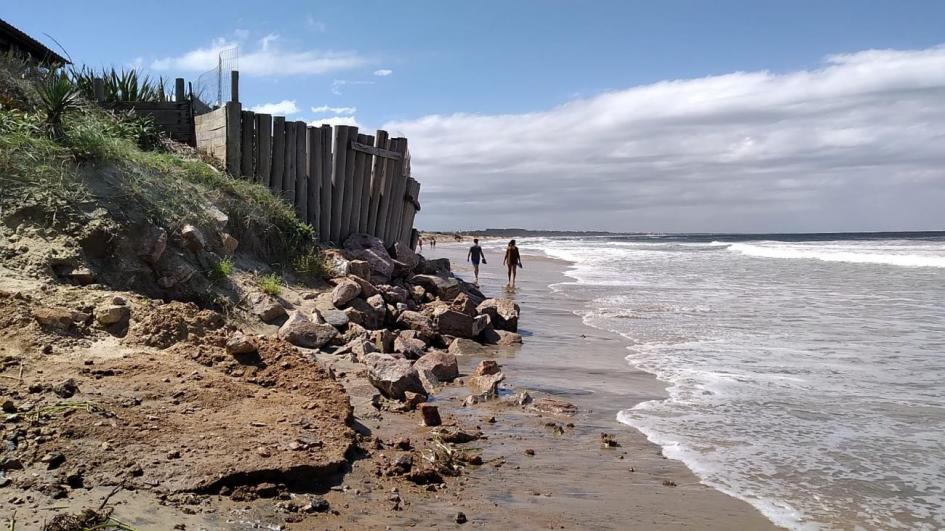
{"points": [[475, 254]]}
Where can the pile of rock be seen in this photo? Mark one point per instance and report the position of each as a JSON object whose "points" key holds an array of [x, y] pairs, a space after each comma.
{"points": [[404, 317]]}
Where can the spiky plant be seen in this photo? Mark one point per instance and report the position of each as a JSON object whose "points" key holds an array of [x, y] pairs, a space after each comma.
{"points": [[58, 96]]}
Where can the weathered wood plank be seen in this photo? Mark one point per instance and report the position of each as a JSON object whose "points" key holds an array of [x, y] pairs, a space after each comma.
{"points": [[278, 155], [348, 199], [377, 183], [313, 171], [288, 181], [363, 217], [387, 167], [394, 218], [361, 160], [376, 151], [339, 159], [233, 137], [263, 149], [324, 213], [247, 149], [411, 206], [301, 176], [178, 89]]}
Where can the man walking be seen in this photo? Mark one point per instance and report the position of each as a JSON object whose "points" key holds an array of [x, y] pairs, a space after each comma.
{"points": [[475, 256]]}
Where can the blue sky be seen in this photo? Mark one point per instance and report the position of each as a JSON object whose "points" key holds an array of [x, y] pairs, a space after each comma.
{"points": [[529, 59]]}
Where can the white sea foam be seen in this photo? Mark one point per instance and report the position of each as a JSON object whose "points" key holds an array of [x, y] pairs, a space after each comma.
{"points": [[810, 390]]}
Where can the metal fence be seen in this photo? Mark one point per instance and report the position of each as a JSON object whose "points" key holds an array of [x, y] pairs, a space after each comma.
{"points": [[213, 86]]}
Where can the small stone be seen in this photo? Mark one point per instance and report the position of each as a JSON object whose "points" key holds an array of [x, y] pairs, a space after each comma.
{"points": [[238, 344], [114, 314], [8, 406], [529, 451], [193, 238], [430, 415], [263, 451], [316, 504], [460, 518], [53, 460], [66, 389]]}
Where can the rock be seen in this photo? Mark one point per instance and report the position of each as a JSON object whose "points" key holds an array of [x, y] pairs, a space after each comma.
{"points": [[486, 385], [417, 293], [446, 288], [362, 313], [82, 276], [377, 302], [401, 270], [59, 319], [229, 243], [403, 253], [417, 321], [411, 401], [367, 289], [153, 244], [522, 398], [302, 332], [316, 504], [8, 406], [238, 344], [359, 268], [178, 274], [361, 348], [194, 239], [393, 294], [467, 347], [487, 367], [66, 389], [345, 292], [553, 405], [53, 460], [503, 313], [384, 340], [393, 377], [218, 216], [480, 324], [334, 317], [370, 249], [460, 518], [453, 323], [266, 308], [441, 364], [113, 314], [411, 348], [502, 338], [463, 304], [434, 267], [430, 415]]}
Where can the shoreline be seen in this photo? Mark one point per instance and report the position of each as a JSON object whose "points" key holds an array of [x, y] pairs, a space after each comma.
{"points": [[551, 322]]}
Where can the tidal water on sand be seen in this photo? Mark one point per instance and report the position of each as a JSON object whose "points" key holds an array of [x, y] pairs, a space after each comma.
{"points": [[806, 373]]}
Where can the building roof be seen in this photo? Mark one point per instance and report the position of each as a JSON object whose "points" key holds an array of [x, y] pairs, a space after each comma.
{"points": [[22, 41]]}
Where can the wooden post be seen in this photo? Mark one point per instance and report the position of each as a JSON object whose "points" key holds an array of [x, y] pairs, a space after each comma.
{"points": [[398, 186], [363, 217], [313, 172], [278, 155], [233, 138], [414, 238], [338, 180], [235, 86], [179, 94], [324, 213], [247, 149], [288, 181], [98, 85], [377, 183], [357, 187], [301, 175], [263, 149], [349, 186], [387, 169], [410, 210]]}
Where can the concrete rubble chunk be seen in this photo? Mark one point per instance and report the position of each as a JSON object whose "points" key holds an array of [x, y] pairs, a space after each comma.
{"points": [[486, 367]]}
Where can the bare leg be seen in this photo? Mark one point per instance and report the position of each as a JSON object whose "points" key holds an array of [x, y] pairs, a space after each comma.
{"points": [[513, 272]]}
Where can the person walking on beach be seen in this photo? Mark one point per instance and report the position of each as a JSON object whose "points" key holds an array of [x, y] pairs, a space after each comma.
{"points": [[513, 260], [420, 243], [475, 255]]}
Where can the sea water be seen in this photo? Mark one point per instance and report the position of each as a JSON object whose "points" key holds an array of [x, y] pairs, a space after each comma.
{"points": [[806, 373]]}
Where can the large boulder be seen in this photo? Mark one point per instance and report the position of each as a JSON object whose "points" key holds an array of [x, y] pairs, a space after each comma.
{"points": [[503, 313], [344, 292], [417, 321], [468, 347], [302, 332], [393, 376], [502, 338], [266, 308], [434, 267], [362, 313], [485, 385], [453, 323], [393, 294], [440, 364], [444, 287], [370, 249], [403, 253], [359, 268], [462, 303], [367, 289], [411, 347]]}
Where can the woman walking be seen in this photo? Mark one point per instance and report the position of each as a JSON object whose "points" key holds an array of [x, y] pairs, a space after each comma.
{"points": [[513, 260]]}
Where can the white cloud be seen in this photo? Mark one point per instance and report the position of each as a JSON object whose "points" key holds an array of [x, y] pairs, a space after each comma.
{"points": [[853, 145], [383, 72], [282, 108], [314, 24], [335, 120], [334, 110], [267, 59], [338, 85]]}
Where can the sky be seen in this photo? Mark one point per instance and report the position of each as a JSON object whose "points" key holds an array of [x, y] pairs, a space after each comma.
{"points": [[670, 116]]}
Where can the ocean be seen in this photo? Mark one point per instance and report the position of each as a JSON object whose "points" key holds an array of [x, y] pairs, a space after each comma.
{"points": [[806, 373]]}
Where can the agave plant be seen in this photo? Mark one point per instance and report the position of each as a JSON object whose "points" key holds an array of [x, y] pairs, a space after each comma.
{"points": [[58, 96], [120, 85]]}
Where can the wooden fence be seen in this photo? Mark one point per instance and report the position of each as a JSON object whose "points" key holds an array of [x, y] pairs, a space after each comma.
{"points": [[339, 180], [176, 118]]}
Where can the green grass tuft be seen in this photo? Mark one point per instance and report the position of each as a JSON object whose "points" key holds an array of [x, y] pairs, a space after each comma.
{"points": [[221, 270], [271, 285]]}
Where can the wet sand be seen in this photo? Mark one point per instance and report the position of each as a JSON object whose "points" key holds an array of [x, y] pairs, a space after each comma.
{"points": [[572, 481]]}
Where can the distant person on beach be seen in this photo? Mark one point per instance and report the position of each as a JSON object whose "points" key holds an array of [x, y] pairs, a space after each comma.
{"points": [[420, 243], [433, 243], [513, 260], [475, 256]]}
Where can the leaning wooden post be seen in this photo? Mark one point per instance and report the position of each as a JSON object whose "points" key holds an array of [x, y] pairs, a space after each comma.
{"points": [[397, 193], [98, 85], [278, 155], [377, 183], [233, 137], [387, 187], [179, 94], [339, 160], [411, 206], [324, 213], [263, 149]]}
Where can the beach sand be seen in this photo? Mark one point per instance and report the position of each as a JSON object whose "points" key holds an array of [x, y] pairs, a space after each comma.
{"points": [[571, 481]]}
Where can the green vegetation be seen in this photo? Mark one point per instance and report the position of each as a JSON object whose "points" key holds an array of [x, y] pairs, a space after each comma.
{"points": [[57, 148], [271, 285], [311, 263], [120, 85], [221, 270]]}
